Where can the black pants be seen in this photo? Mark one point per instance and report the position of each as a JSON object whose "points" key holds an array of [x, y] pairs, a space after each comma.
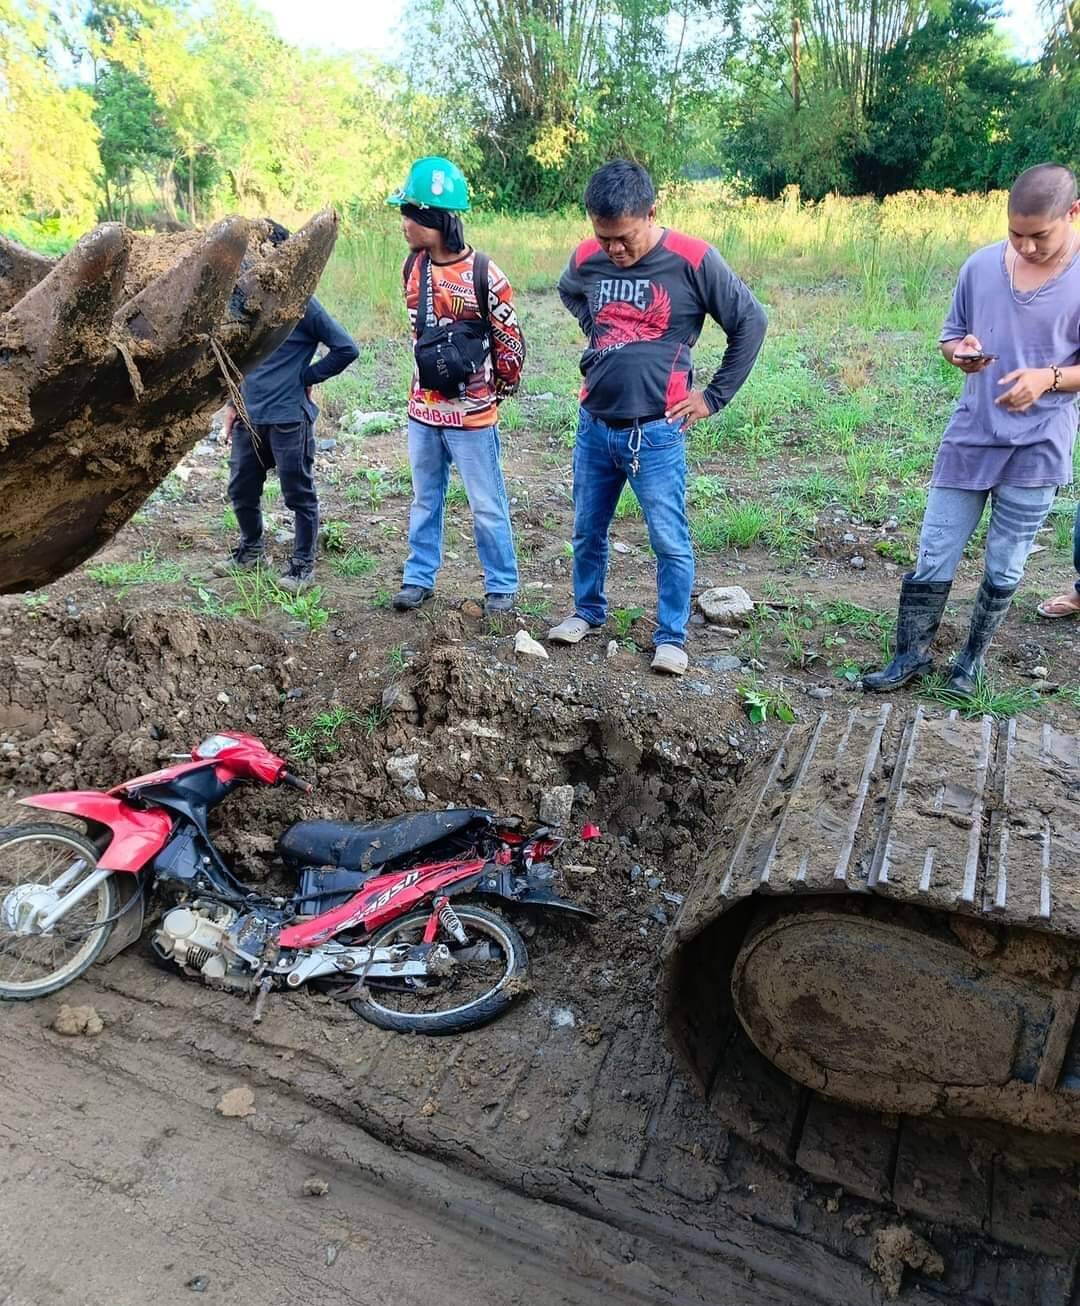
{"points": [[291, 449]]}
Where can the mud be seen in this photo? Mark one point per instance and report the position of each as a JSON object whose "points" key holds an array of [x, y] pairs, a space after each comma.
{"points": [[569, 1112]]}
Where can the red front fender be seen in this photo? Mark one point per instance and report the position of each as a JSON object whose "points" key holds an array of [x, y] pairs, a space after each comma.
{"points": [[136, 835]]}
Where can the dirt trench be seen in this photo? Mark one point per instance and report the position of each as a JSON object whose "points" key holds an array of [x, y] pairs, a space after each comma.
{"points": [[567, 1115]]}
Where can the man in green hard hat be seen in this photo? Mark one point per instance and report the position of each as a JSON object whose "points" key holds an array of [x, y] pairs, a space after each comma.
{"points": [[469, 352]]}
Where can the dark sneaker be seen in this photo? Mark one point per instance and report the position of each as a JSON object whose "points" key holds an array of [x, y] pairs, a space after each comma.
{"points": [[494, 603], [411, 596], [245, 557], [298, 577]]}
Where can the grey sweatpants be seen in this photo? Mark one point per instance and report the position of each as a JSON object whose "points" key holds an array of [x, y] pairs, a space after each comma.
{"points": [[1016, 513]]}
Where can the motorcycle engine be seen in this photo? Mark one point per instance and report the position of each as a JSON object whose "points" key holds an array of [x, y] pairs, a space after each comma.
{"points": [[212, 940]]}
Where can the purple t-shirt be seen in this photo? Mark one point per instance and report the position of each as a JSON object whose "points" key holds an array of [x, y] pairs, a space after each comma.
{"points": [[984, 444]]}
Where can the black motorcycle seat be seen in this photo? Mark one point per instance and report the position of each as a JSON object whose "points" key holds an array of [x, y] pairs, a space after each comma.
{"points": [[366, 847]]}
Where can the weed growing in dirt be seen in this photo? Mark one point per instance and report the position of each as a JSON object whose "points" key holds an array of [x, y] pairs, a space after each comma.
{"points": [[353, 563], [372, 719], [735, 525], [455, 495], [383, 598], [305, 607], [335, 536], [760, 703], [370, 486], [627, 505], [849, 671], [863, 623], [398, 659], [987, 700], [704, 490], [623, 619], [534, 607], [320, 738], [229, 522], [1067, 694], [256, 594], [148, 570], [1062, 521], [511, 418], [895, 550]]}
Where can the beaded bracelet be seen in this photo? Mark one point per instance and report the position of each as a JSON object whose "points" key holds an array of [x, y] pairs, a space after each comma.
{"points": [[1057, 378]]}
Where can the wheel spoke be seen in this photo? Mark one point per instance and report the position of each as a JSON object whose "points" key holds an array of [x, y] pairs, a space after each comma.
{"points": [[32, 860]]}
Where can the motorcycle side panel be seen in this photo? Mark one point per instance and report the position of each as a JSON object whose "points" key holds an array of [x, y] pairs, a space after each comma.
{"points": [[383, 899], [137, 836]]}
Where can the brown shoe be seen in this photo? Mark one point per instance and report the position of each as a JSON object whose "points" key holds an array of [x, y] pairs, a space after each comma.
{"points": [[1064, 605]]}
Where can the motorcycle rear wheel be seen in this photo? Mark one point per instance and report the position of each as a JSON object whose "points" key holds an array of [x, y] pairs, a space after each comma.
{"points": [[32, 858], [383, 1005]]}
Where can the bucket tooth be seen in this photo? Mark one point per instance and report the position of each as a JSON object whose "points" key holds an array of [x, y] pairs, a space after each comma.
{"points": [[190, 299], [20, 271], [272, 295], [66, 317]]}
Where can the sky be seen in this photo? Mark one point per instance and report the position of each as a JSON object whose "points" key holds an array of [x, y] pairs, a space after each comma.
{"points": [[372, 25]]}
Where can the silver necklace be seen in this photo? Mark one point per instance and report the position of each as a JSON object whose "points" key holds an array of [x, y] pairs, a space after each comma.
{"points": [[1034, 295]]}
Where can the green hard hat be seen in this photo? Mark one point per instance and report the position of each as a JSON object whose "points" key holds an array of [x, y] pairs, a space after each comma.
{"points": [[434, 183]]}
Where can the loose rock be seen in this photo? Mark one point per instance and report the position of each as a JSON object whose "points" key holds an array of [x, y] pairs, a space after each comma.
{"points": [[73, 1021], [898, 1247], [315, 1187], [402, 770], [237, 1103], [723, 662], [396, 698], [726, 603], [525, 645], [556, 806]]}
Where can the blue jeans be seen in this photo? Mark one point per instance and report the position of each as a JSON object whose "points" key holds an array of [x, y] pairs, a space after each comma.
{"points": [[602, 462], [1016, 514], [476, 456]]}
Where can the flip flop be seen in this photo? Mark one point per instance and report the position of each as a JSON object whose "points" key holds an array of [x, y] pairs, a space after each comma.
{"points": [[1064, 605]]}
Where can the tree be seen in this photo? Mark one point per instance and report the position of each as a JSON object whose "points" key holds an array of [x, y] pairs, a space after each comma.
{"points": [[48, 141]]}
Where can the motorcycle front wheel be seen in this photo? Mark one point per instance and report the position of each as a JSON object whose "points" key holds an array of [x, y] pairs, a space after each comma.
{"points": [[488, 974], [39, 864]]}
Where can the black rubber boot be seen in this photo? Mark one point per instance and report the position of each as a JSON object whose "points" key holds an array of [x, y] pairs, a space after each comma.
{"points": [[991, 605], [917, 620]]}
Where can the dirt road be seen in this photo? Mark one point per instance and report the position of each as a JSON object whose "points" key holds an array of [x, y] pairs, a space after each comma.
{"points": [[122, 1185]]}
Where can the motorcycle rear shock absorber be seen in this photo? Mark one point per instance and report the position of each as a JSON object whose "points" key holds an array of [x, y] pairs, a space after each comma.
{"points": [[448, 919]]}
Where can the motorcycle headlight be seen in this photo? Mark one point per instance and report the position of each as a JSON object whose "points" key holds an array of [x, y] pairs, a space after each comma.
{"points": [[213, 746]]}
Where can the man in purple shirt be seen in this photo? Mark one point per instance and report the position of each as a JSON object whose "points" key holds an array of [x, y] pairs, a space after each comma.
{"points": [[1014, 329], [640, 294]]}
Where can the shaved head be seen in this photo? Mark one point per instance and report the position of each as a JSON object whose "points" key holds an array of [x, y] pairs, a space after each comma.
{"points": [[1047, 191]]}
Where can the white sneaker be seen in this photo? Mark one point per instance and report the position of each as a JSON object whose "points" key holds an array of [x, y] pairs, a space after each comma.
{"points": [[670, 658], [571, 631]]}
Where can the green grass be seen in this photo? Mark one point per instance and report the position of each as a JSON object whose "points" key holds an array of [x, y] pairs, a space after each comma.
{"points": [[319, 739], [147, 570], [989, 699], [354, 562], [628, 505]]}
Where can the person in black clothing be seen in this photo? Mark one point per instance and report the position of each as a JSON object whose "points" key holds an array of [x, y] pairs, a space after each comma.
{"points": [[277, 397], [641, 293]]}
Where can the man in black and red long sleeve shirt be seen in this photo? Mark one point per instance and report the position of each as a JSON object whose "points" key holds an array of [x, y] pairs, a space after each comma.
{"points": [[641, 293]]}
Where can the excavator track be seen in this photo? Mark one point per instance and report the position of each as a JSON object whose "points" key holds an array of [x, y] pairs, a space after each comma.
{"points": [[894, 918]]}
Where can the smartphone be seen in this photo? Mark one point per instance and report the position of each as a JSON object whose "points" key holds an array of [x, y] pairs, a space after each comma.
{"points": [[974, 358]]}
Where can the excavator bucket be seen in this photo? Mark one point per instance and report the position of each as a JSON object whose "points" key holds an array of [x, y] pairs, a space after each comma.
{"points": [[893, 916], [110, 359]]}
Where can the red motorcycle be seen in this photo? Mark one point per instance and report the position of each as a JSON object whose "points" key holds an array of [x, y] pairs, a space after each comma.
{"points": [[372, 919]]}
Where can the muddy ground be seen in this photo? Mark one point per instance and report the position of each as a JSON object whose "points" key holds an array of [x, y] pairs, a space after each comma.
{"points": [[559, 1155]]}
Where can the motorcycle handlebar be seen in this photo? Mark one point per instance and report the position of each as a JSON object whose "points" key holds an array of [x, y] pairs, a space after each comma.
{"points": [[294, 782]]}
